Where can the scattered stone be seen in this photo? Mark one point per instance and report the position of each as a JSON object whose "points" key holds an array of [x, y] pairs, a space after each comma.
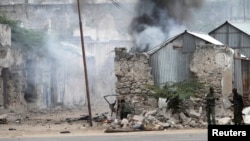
{"points": [[3, 119], [224, 121], [58, 123], [18, 121], [138, 118], [151, 113], [12, 129], [65, 132], [125, 123]]}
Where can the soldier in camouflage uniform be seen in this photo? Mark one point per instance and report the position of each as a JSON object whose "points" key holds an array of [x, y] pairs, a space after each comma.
{"points": [[125, 109], [210, 106]]}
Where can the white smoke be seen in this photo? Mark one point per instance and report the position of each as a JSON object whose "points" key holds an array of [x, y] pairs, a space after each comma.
{"points": [[149, 38], [157, 21]]}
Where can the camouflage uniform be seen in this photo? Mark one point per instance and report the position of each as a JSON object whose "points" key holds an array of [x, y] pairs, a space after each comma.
{"points": [[125, 109], [210, 107]]}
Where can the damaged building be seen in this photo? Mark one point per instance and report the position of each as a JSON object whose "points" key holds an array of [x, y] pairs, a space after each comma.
{"points": [[181, 61], [237, 36], [12, 73], [50, 82], [184, 56], [54, 74]]}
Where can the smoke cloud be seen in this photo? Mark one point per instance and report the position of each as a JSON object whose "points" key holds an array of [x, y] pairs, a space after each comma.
{"points": [[157, 20]]}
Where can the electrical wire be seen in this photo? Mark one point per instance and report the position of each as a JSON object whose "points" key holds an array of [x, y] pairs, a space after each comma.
{"points": [[118, 5]]}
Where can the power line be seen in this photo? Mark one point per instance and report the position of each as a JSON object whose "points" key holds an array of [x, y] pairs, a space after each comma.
{"points": [[118, 5]]}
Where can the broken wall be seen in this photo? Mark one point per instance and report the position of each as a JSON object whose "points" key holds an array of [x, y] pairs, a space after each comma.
{"points": [[133, 74], [12, 78], [213, 66], [209, 63]]}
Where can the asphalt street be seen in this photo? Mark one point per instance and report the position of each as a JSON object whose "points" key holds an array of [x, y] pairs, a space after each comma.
{"points": [[145, 136]]}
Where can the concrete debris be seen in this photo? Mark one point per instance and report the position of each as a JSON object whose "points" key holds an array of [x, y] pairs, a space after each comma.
{"points": [[246, 115], [3, 119], [225, 121]]}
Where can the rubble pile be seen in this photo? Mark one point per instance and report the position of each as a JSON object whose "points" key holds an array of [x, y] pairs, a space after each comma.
{"points": [[162, 118], [133, 73]]}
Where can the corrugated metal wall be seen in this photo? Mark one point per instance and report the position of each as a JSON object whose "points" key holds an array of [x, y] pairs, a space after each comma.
{"points": [[171, 62], [233, 37], [164, 65]]}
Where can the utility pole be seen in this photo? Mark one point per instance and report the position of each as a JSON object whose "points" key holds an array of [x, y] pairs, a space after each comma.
{"points": [[84, 64]]}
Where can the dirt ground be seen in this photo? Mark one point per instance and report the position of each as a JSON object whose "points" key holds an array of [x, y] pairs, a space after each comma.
{"points": [[56, 122], [52, 122]]}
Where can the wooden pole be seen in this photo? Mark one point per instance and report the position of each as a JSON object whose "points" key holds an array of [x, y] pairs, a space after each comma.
{"points": [[84, 64]]}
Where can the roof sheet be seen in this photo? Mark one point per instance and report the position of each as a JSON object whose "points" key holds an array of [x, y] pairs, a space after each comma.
{"points": [[206, 37], [202, 36], [244, 26]]}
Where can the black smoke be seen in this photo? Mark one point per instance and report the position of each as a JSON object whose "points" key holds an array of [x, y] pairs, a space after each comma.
{"points": [[157, 20]]}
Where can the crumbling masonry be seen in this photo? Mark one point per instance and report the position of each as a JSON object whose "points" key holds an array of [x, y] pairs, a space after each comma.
{"points": [[210, 64], [133, 76]]}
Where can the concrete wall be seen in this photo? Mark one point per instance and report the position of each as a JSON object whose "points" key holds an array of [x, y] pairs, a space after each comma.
{"points": [[12, 80], [5, 42]]}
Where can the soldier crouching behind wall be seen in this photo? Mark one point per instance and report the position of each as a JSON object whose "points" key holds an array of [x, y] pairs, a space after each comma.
{"points": [[123, 109]]}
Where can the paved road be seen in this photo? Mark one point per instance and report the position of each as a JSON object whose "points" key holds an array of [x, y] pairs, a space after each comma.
{"points": [[145, 136]]}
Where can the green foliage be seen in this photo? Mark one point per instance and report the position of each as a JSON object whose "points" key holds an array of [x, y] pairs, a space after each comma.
{"points": [[4, 20], [177, 92], [27, 39], [183, 89]]}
